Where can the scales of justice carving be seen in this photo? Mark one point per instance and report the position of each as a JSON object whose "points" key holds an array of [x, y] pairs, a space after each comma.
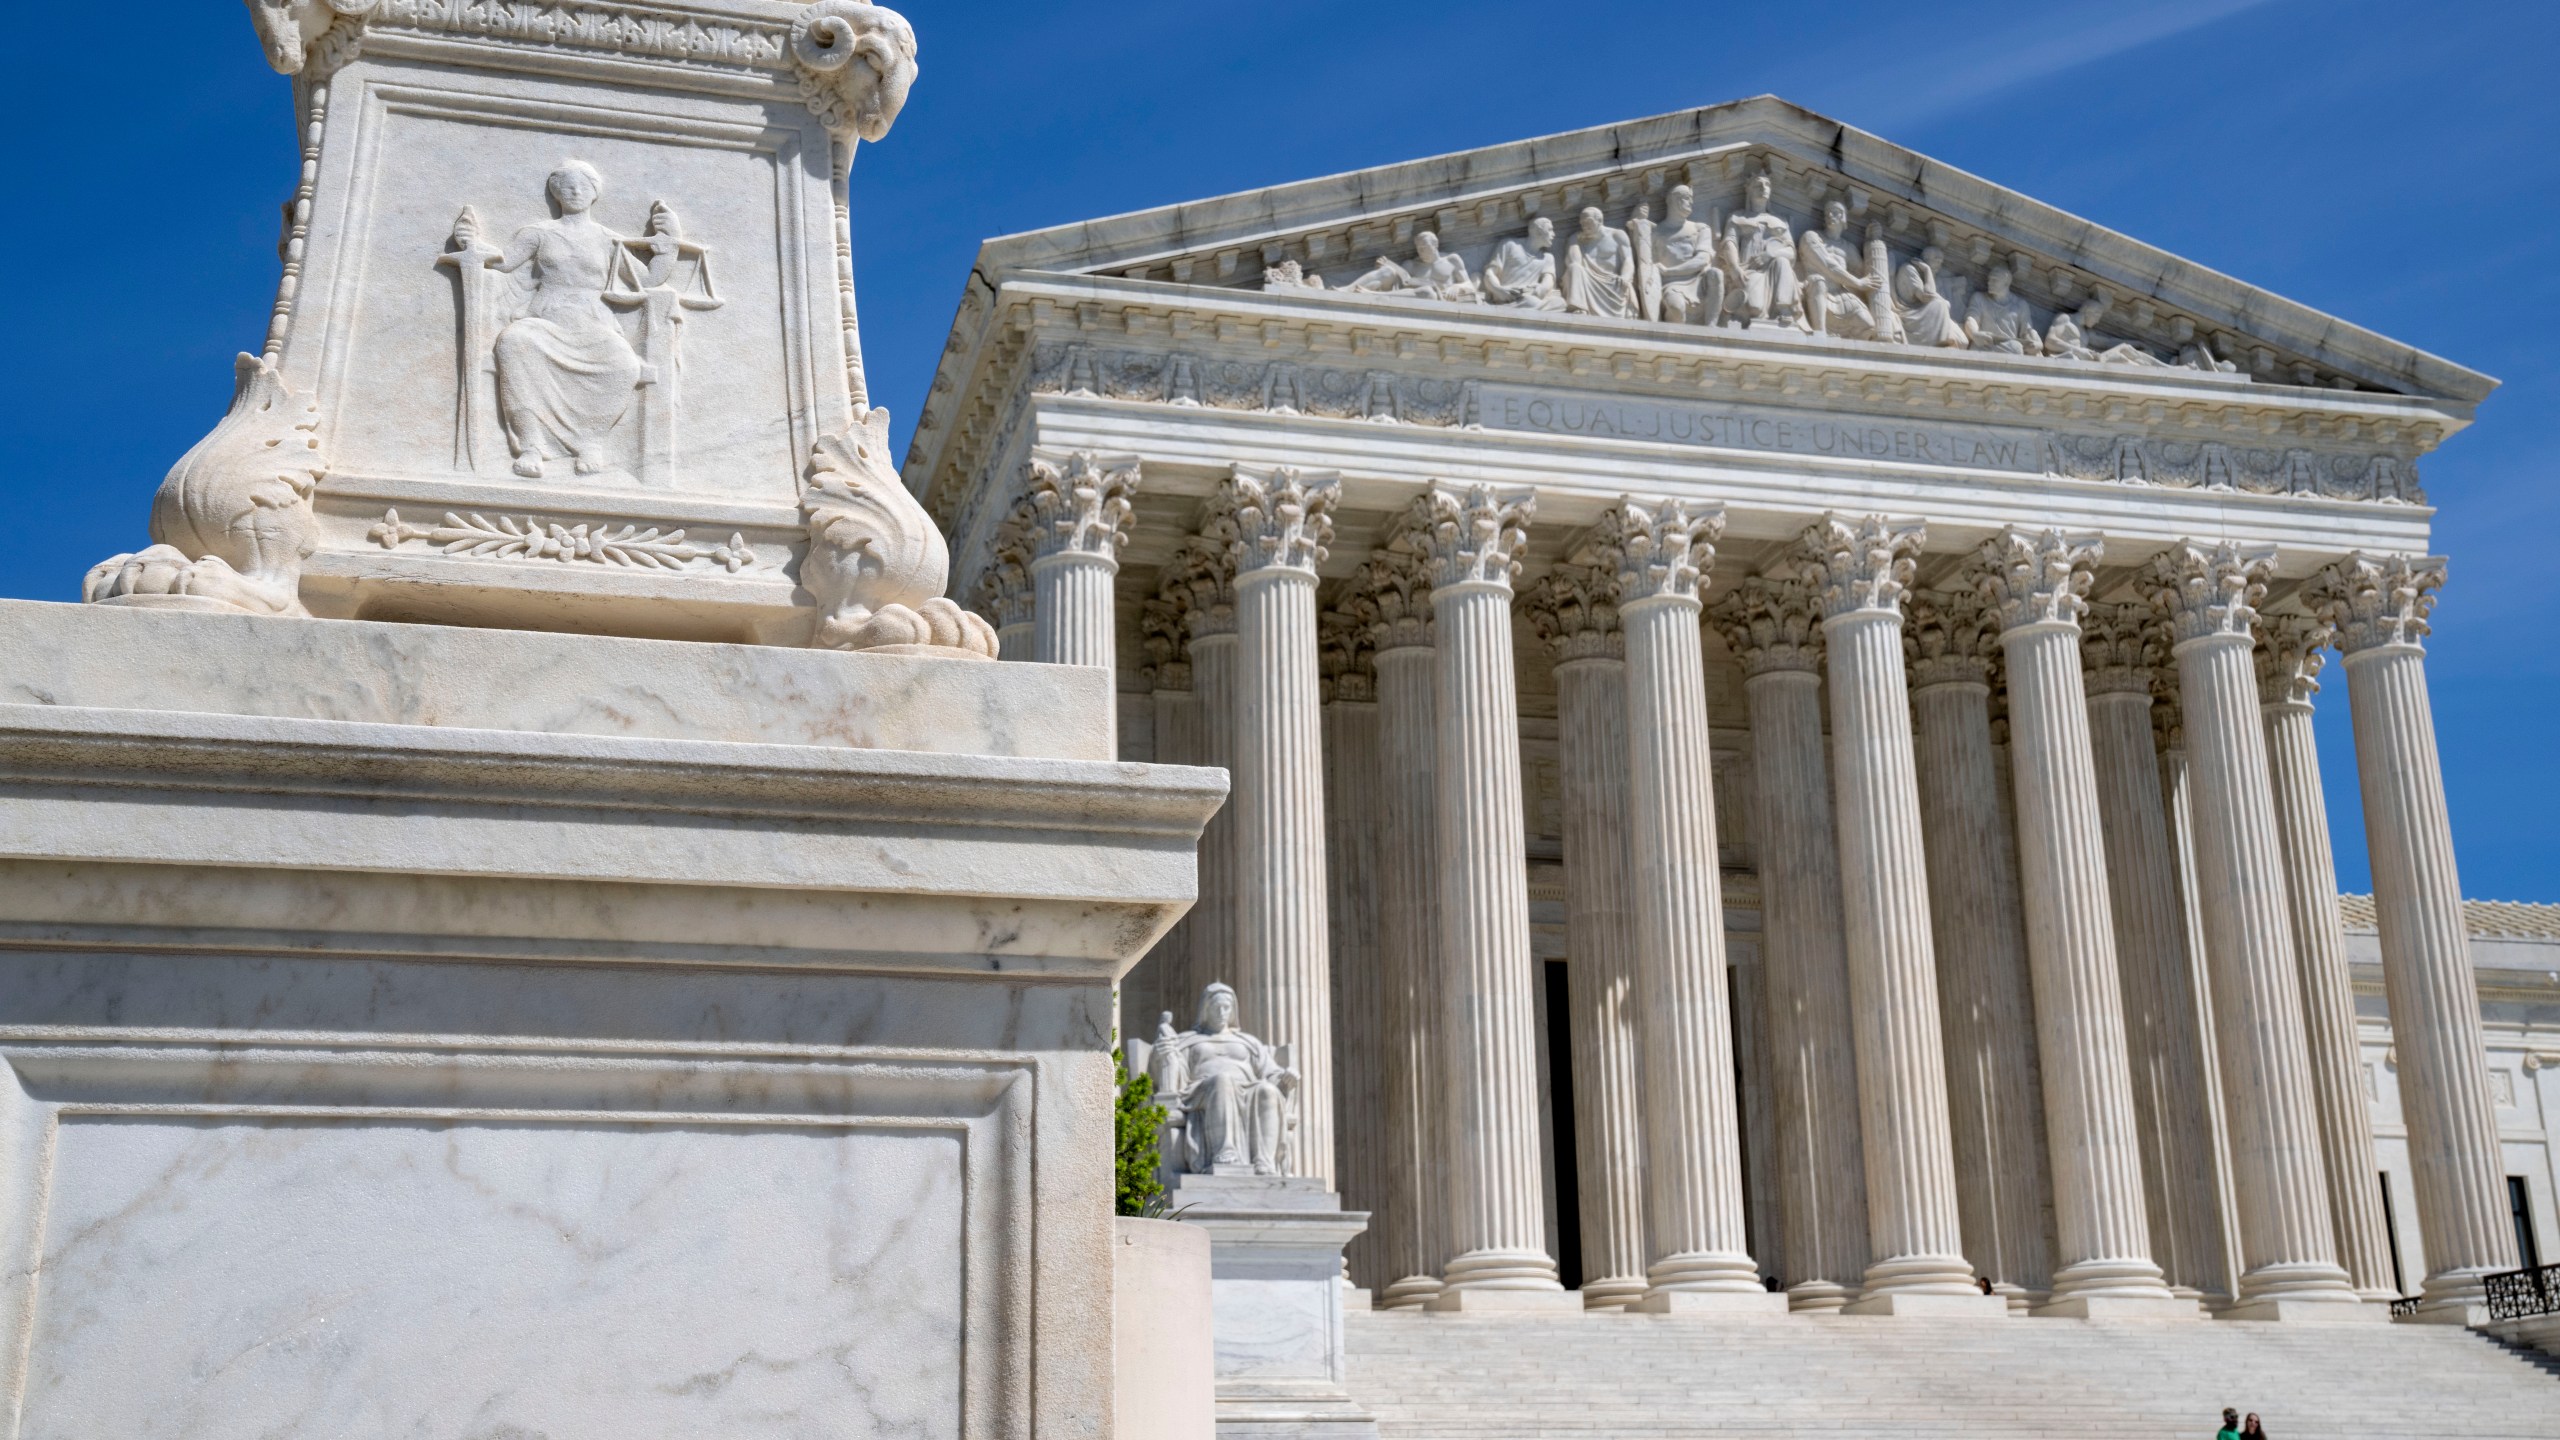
{"points": [[1230, 1099], [570, 342]]}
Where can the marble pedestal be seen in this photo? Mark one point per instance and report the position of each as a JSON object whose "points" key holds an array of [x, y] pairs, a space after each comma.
{"points": [[435, 1031], [1276, 1283]]}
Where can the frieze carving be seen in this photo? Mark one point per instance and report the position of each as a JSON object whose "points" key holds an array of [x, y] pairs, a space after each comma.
{"points": [[632, 29], [875, 562], [1282, 387], [232, 523], [528, 537]]}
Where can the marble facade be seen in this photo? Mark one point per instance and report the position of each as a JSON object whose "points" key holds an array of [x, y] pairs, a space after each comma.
{"points": [[1850, 615]]}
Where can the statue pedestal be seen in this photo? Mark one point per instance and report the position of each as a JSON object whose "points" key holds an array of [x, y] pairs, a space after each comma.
{"points": [[1275, 1270]]}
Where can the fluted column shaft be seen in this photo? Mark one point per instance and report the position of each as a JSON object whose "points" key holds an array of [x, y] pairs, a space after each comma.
{"points": [[1414, 1242], [1773, 628], [1693, 1144], [1212, 951], [1913, 1231], [1154, 986], [2177, 799], [1980, 937], [2164, 1053], [1498, 1214], [2287, 658], [1075, 519], [1351, 785], [2379, 609], [1072, 619], [2100, 1220], [1282, 521], [1591, 729], [2288, 1246]]}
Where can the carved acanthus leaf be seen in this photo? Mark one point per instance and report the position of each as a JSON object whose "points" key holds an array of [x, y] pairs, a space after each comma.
{"points": [[1283, 519], [2038, 577], [1201, 578], [2289, 657], [1474, 534], [2117, 649], [1394, 589], [2372, 600], [1343, 655], [1079, 503], [1950, 637], [1771, 624], [1657, 549], [876, 563], [856, 63], [232, 523], [1864, 562], [1574, 609], [2208, 589]]}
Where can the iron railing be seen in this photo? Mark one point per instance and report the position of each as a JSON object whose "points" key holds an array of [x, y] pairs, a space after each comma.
{"points": [[2405, 1305], [2522, 1294]]}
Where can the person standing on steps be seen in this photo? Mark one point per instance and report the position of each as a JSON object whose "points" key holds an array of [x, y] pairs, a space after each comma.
{"points": [[2252, 1430], [2230, 1425]]}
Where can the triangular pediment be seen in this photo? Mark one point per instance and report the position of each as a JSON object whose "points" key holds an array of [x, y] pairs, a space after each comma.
{"points": [[1334, 230]]}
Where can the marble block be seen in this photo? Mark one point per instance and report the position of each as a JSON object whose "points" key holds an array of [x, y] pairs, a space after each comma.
{"points": [[1932, 1306], [423, 1057], [1276, 1268], [1164, 1343]]}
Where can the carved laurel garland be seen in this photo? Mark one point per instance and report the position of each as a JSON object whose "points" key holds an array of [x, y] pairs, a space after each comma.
{"points": [[513, 537], [629, 29]]}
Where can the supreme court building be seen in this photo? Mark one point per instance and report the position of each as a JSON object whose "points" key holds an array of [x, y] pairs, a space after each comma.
{"points": [[1768, 688]]}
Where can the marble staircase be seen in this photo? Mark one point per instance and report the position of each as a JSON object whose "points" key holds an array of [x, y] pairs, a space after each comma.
{"points": [[1629, 1377]]}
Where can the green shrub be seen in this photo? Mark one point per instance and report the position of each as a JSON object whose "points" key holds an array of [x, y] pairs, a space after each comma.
{"points": [[1137, 1122]]}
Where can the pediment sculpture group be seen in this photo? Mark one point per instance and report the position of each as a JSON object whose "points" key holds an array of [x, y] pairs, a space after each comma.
{"points": [[1752, 270]]}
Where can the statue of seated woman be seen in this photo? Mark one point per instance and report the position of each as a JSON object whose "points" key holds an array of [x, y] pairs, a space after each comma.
{"points": [[566, 371], [1230, 1098]]}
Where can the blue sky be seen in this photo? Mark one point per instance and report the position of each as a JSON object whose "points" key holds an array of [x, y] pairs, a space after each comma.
{"points": [[2392, 163]]}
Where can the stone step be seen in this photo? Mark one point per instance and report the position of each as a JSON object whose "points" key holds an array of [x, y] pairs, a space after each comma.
{"points": [[1657, 1378]]}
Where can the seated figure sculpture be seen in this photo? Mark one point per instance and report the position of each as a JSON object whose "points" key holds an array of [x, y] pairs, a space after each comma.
{"points": [[1522, 273], [1760, 249], [566, 372], [1677, 271], [1433, 275], [1230, 1099], [1600, 270], [1837, 299], [1998, 318]]}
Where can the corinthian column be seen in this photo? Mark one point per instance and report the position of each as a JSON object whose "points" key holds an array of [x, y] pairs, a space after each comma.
{"points": [[2288, 1249], [2288, 660], [1207, 577], [1079, 519], [1498, 1221], [1394, 597], [1978, 926], [1659, 552], [1573, 612], [2378, 608], [1773, 629], [1282, 519], [1918, 1263], [1155, 986], [2170, 1095], [2040, 581], [1358, 985]]}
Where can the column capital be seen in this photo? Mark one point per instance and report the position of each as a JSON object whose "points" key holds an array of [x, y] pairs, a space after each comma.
{"points": [[1283, 519], [2118, 649], [1771, 625], [1574, 609], [1657, 549], [1863, 563], [1343, 653], [1078, 502], [2289, 658], [2038, 577], [2376, 600], [1004, 592], [1393, 594], [2168, 707], [1165, 633], [1951, 637], [1472, 534], [1199, 578], [2208, 589]]}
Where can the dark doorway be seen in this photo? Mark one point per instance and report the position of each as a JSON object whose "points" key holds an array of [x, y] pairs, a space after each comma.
{"points": [[2391, 1231], [1560, 1124], [2520, 1205]]}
